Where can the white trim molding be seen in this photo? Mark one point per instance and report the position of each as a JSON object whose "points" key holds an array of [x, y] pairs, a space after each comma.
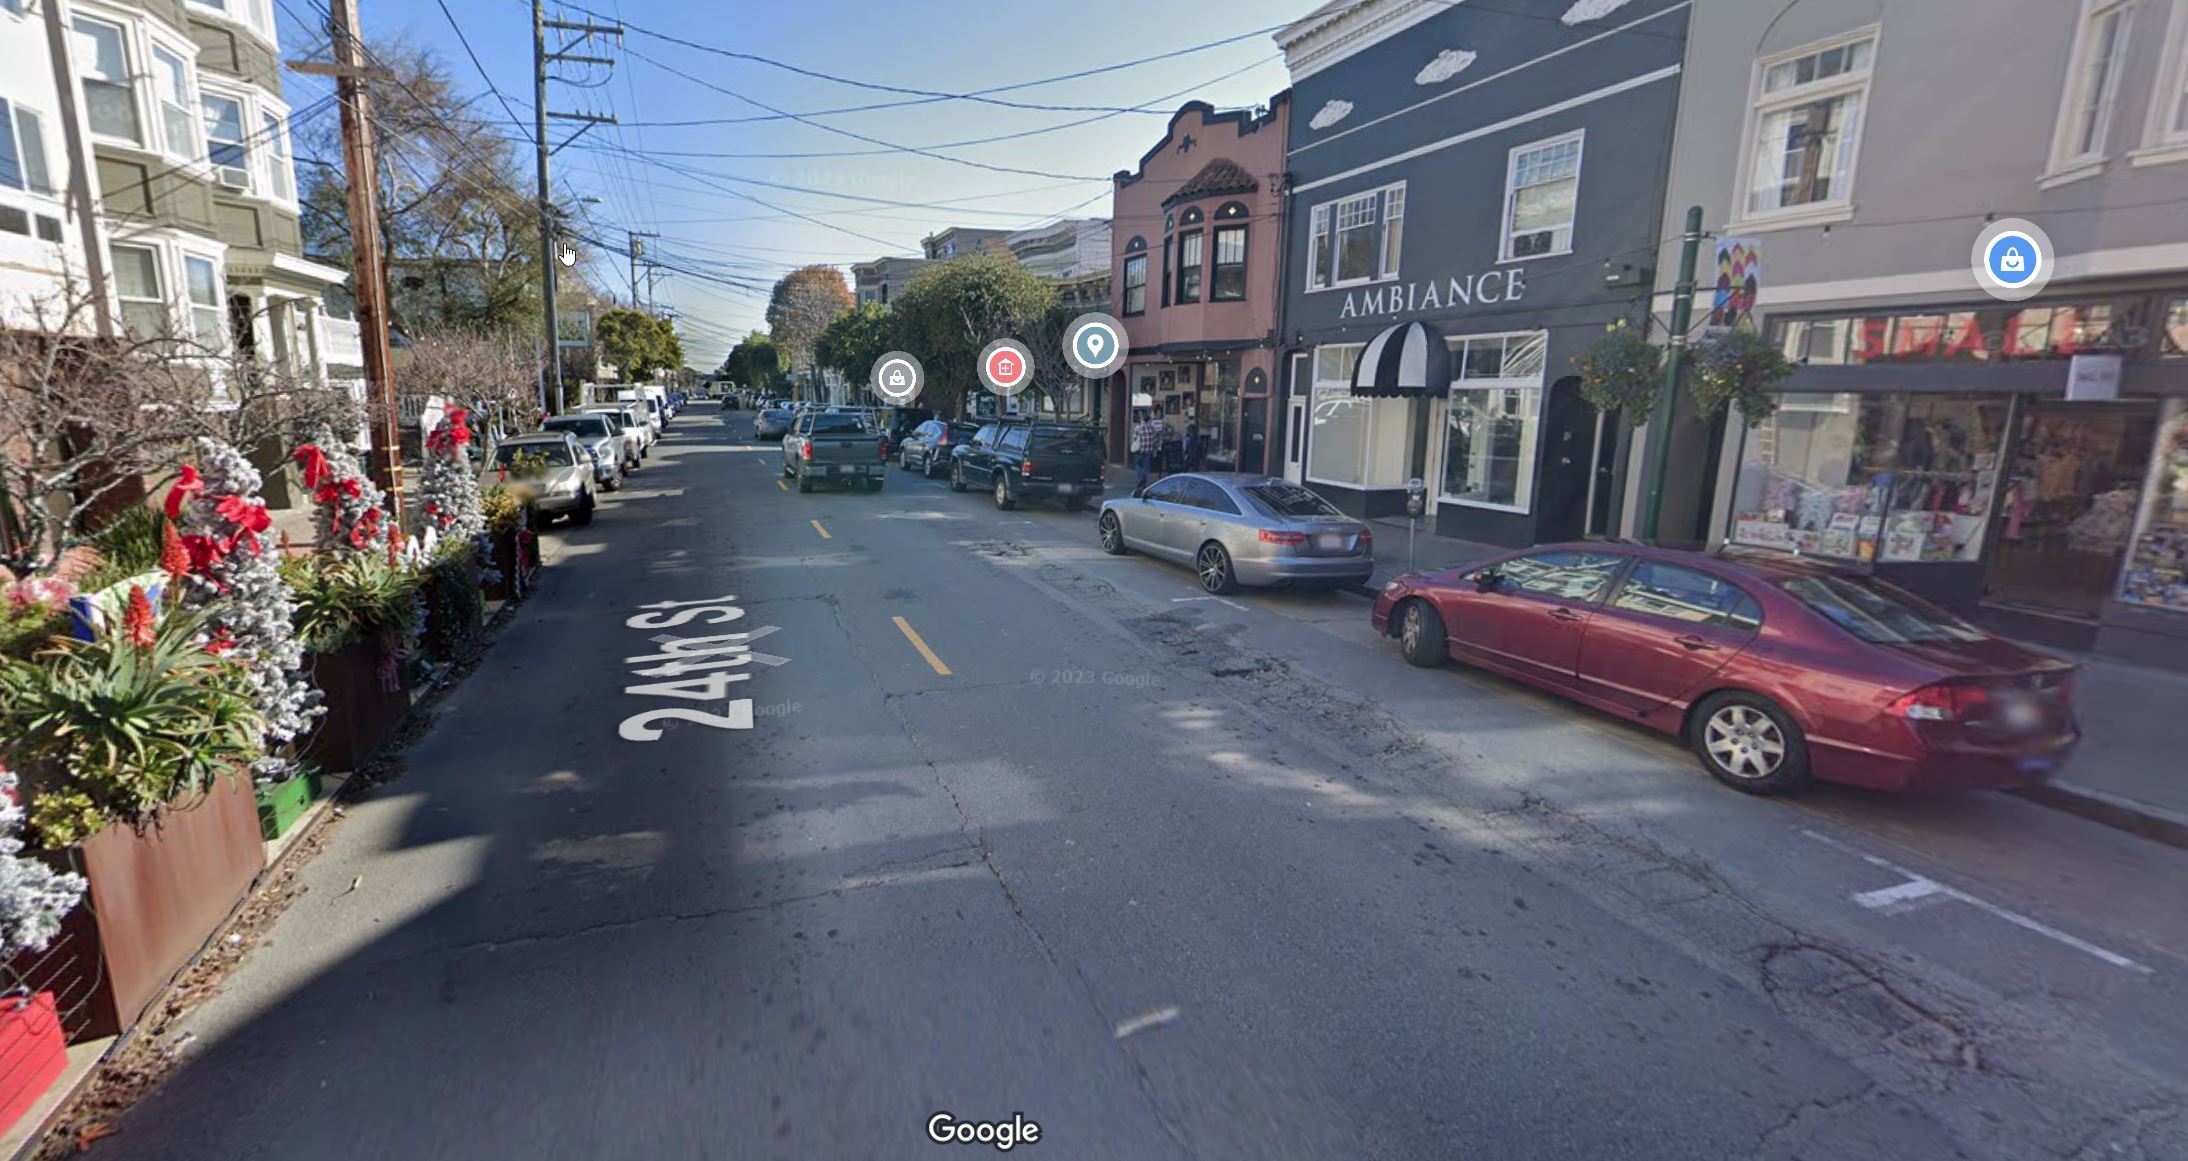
{"points": [[1343, 28]]}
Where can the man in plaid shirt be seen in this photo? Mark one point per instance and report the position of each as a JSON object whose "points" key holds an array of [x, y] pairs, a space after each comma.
{"points": [[1146, 442]]}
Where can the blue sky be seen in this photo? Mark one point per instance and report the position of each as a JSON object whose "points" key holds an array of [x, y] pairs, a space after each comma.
{"points": [[673, 178]]}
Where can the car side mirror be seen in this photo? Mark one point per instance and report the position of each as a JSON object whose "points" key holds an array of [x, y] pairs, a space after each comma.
{"points": [[1139, 493], [1488, 580]]}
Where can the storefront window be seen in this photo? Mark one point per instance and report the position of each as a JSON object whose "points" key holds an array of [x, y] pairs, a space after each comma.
{"points": [[2176, 330], [1353, 442], [1962, 336], [1491, 424], [1872, 477], [2157, 566], [1219, 416]]}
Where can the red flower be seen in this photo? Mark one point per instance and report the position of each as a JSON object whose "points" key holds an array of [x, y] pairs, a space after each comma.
{"points": [[189, 485], [140, 624], [222, 642], [174, 558], [316, 468]]}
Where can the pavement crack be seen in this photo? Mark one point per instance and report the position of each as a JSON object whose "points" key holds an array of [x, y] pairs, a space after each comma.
{"points": [[1804, 1111]]}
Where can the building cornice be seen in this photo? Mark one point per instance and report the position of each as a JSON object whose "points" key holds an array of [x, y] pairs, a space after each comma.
{"points": [[1343, 28]]}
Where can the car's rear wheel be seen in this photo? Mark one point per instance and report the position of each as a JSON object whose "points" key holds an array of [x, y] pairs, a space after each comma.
{"points": [[926, 466], [1214, 566], [1112, 534], [582, 515], [805, 483], [957, 478], [1748, 743], [1003, 499], [1074, 503], [904, 461], [1421, 633]]}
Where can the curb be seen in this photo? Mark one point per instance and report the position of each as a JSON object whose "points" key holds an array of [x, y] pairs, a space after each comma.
{"points": [[2113, 810]]}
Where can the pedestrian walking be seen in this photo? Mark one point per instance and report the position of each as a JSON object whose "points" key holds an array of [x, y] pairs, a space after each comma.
{"points": [[1146, 439], [1192, 446]]}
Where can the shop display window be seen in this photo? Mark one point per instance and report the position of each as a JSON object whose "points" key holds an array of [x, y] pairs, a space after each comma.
{"points": [[2157, 565], [1353, 442], [1890, 478]]}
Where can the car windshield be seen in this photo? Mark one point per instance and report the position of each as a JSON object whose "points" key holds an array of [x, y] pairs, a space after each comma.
{"points": [[1877, 612], [1072, 441], [512, 455], [592, 427], [1280, 498]]}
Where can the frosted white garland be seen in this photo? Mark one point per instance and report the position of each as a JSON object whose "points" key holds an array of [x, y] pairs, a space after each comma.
{"points": [[33, 896]]}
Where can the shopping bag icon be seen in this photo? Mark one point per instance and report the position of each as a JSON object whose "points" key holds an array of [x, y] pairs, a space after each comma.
{"points": [[2012, 262]]}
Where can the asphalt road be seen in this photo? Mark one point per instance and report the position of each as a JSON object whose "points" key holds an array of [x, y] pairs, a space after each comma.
{"points": [[1021, 829]]}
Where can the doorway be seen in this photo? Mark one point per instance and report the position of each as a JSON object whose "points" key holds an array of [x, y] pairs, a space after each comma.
{"points": [[1253, 436], [2067, 504], [1568, 460]]}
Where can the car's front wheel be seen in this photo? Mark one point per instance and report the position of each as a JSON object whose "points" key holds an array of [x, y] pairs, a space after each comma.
{"points": [[1421, 634], [1748, 743], [1112, 531], [1214, 566], [583, 514]]}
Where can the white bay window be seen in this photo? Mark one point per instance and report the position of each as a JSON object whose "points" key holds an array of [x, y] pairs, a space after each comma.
{"points": [[1541, 195], [1805, 129], [110, 97], [2092, 88], [1356, 239]]}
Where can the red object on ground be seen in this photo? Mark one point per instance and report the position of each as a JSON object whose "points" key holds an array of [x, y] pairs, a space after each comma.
{"points": [[32, 1052]]}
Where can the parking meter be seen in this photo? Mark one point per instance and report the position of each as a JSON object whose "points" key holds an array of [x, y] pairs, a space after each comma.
{"points": [[1416, 497]]}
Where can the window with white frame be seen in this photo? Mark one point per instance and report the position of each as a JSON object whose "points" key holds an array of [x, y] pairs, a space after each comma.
{"points": [[23, 161], [1492, 424], [1807, 127], [110, 100], [1353, 442], [1189, 265], [201, 283], [280, 168], [178, 116], [1541, 191], [137, 285], [1356, 239], [226, 141], [253, 14], [2092, 83], [2169, 104]]}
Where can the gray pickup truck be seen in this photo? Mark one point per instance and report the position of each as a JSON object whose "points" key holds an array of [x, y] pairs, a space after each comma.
{"points": [[834, 445]]}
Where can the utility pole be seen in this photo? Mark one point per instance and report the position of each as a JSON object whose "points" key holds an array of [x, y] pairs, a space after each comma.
{"points": [[81, 201], [1675, 359], [364, 235], [637, 248], [550, 382]]}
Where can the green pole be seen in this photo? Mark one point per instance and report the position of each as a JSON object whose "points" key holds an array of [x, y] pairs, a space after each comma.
{"points": [[1682, 316]]}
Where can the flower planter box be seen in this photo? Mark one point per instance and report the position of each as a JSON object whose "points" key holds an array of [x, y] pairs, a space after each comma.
{"points": [[156, 895], [365, 702], [280, 804]]}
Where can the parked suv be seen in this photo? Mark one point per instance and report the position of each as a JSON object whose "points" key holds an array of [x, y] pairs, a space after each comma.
{"points": [[1024, 459], [926, 449]]}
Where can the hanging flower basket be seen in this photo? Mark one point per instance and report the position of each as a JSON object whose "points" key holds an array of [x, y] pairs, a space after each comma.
{"points": [[1736, 366], [1623, 373]]}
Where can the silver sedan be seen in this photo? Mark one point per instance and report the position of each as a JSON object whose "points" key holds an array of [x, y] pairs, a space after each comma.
{"points": [[1237, 529]]}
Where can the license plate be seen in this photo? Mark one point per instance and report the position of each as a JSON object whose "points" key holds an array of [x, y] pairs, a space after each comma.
{"points": [[2038, 765], [1067, 489], [1330, 541]]}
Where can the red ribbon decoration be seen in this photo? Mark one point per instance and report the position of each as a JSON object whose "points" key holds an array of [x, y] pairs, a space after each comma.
{"points": [[205, 552], [316, 468], [189, 485], [453, 433], [367, 525], [249, 520]]}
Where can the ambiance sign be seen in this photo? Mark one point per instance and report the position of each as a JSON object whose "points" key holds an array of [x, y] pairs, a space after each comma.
{"points": [[1486, 288]]}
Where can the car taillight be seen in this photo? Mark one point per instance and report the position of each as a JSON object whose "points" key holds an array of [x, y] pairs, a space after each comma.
{"points": [[1367, 538], [885, 449], [805, 451], [1026, 468], [1946, 701], [1271, 536]]}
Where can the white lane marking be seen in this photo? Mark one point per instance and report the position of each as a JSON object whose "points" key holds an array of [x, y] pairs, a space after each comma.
{"points": [[1146, 1020], [1905, 897], [1934, 887], [1218, 600]]}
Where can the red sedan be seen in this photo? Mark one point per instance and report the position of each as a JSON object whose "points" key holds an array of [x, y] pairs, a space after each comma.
{"points": [[1774, 669]]}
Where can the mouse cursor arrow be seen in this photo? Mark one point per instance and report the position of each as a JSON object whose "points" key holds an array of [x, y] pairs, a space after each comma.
{"points": [[567, 256]]}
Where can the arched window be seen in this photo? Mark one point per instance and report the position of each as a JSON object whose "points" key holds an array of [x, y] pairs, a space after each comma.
{"points": [[1230, 211], [1193, 216]]}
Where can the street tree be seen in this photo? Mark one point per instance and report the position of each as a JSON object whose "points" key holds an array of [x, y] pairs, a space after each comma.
{"points": [[755, 363], [951, 310], [804, 302], [638, 343], [855, 341]]}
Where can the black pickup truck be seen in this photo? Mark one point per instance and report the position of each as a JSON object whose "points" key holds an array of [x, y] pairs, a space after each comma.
{"points": [[1022, 459], [834, 445]]}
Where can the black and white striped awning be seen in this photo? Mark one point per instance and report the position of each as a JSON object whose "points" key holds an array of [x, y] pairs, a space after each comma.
{"points": [[1407, 359]]}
